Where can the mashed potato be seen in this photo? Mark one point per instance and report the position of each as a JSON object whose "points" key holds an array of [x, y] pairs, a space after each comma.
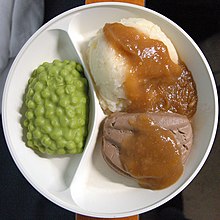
{"points": [[108, 69]]}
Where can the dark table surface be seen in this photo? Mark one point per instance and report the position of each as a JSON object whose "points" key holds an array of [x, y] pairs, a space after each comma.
{"points": [[18, 199]]}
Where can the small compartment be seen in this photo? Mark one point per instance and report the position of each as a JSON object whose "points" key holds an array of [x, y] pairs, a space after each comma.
{"points": [[50, 173]]}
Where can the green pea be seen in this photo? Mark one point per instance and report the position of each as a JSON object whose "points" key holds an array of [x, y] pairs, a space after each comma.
{"points": [[56, 133], [57, 108], [69, 79], [58, 63], [46, 64], [40, 69], [79, 85], [30, 143], [74, 100], [81, 121], [30, 104], [68, 68], [79, 68], [73, 64], [83, 100], [53, 71], [30, 92], [77, 139], [47, 128], [78, 135], [49, 151], [40, 121], [70, 112], [53, 147], [61, 151], [73, 151], [80, 146], [64, 121], [39, 110], [66, 62], [45, 93], [64, 73], [68, 134], [38, 86], [29, 135], [51, 83], [49, 114], [26, 123], [55, 122], [82, 112], [54, 98], [64, 101], [42, 77], [37, 143], [49, 105], [60, 91], [37, 134], [61, 143], [59, 80], [73, 123], [29, 114], [59, 111], [37, 98], [70, 145], [46, 141], [70, 89], [75, 73], [30, 80], [79, 132], [31, 127], [79, 110], [42, 149]]}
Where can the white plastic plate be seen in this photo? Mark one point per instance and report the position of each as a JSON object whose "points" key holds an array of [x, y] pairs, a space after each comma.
{"points": [[84, 183]]}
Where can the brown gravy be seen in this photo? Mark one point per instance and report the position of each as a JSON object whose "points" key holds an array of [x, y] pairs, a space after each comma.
{"points": [[153, 81], [151, 155]]}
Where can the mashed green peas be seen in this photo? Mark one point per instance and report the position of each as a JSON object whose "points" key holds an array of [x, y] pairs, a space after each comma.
{"points": [[56, 101]]}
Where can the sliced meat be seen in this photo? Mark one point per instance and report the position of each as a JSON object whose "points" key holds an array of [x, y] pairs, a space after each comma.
{"points": [[117, 126]]}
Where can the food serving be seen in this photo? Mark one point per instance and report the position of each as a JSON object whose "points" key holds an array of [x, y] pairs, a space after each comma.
{"points": [[136, 69], [149, 147], [56, 103]]}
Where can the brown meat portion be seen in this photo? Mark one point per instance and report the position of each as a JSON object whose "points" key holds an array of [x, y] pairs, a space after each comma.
{"points": [[117, 126]]}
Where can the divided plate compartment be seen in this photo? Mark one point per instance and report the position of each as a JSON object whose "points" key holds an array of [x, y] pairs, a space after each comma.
{"points": [[84, 183]]}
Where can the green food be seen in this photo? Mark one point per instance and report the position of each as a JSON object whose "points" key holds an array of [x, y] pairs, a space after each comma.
{"points": [[56, 101]]}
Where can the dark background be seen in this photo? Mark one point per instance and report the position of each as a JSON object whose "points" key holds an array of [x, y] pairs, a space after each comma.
{"points": [[18, 199]]}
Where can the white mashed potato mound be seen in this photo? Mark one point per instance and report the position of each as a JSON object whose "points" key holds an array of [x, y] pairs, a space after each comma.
{"points": [[108, 69]]}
